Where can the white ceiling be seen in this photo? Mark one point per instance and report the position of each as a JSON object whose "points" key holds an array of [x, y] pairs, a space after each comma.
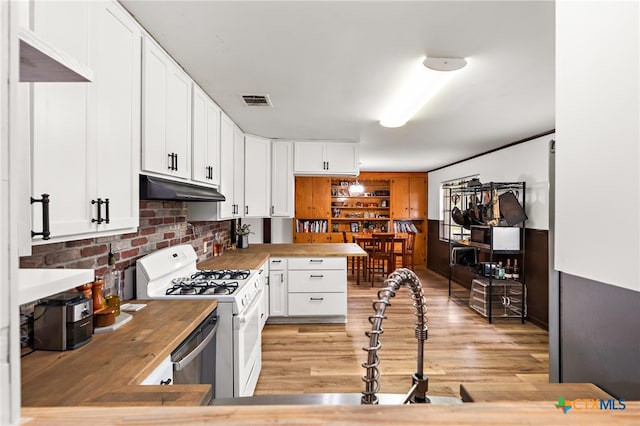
{"points": [[331, 67]]}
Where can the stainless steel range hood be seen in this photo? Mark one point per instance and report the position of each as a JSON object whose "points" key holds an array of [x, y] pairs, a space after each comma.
{"points": [[153, 188]]}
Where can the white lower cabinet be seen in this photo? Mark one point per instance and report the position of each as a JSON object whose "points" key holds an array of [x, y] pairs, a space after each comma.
{"points": [[162, 375], [309, 289], [278, 288]]}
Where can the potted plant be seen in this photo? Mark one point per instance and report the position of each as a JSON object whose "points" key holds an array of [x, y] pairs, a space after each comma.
{"points": [[242, 234]]}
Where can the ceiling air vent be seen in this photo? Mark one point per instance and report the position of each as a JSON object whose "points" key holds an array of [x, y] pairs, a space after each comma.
{"points": [[256, 100]]}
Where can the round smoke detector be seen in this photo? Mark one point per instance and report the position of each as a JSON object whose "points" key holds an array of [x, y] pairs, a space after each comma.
{"points": [[445, 64]]}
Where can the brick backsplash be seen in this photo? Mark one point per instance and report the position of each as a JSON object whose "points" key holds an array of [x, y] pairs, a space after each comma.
{"points": [[162, 224]]}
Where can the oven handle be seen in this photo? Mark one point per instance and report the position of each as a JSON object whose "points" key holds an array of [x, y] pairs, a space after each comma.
{"points": [[240, 320], [182, 363]]}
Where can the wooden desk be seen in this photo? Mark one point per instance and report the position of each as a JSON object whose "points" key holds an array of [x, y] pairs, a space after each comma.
{"points": [[365, 240]]}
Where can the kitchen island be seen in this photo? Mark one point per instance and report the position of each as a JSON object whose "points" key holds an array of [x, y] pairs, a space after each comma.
{"points": [[513, 413], [109, 370], [307, 282]]}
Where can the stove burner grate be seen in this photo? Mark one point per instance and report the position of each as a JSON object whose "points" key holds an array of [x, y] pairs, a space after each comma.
{"points": [[189, 286], [222, 274]]}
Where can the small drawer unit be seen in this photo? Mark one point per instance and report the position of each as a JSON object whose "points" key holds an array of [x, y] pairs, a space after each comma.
{"points": [[317, 287], [508, 298]]}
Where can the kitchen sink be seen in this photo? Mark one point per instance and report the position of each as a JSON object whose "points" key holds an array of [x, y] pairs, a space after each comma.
{"points": [[325, 399]]}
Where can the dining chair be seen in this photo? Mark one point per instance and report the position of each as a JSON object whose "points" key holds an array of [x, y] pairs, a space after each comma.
{"points": [[408, 250], [382, 256], [349, 258]]}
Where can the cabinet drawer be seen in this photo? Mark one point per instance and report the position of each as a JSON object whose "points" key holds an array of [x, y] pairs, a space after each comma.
{"points": [[317, 281], [277, 264], [318, 263], [309, 304]]}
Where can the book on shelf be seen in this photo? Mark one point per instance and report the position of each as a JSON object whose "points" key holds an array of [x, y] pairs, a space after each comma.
{"points": [[312, 226], [404, 227]]}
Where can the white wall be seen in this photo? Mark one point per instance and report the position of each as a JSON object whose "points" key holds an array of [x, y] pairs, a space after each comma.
{"points": [[528, 162], [281, 230], [598, 138]]}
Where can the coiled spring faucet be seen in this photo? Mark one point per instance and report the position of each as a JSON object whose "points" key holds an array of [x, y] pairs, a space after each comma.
{"points": [[420, 384]]}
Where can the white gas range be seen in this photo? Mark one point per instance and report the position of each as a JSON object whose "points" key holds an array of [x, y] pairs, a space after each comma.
{"points": [[171, 273]]}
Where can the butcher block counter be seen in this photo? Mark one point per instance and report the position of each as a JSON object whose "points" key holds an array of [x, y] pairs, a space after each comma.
{"points": [[108, 370], [256, 254], [495, 413]]}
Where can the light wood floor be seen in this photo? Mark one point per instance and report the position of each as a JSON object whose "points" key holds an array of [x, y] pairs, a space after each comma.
{"points": [[462, 347]]}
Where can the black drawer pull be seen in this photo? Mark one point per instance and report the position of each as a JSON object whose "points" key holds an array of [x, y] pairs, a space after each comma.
{"points": [[316, 276], [46, 232], [316, 298], [315, 260], [99, 202], [106, 210]]}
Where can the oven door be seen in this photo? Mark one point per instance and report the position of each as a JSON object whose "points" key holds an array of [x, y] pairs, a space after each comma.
{"points": [[247, 344]]}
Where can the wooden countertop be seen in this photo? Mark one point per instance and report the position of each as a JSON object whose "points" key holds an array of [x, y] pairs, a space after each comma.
{"points": [[491, 392], [513, 413], [256, 254], [107, 370]]}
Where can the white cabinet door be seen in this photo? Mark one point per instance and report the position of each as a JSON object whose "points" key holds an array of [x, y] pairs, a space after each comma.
{"points": [[226, 208], [178, 121], [309, 157], [115, 119], [282, 182], [257, 184], [238, 171], [86, 136], [60, 148], [205, 148], [342, 158], [278, 293], [326, 158], [166, 134]]}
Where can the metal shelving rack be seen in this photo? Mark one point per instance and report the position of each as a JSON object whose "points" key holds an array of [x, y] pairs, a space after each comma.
{"points": [[482, 196]]}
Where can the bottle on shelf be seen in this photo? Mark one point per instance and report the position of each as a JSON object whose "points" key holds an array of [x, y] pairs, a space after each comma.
{"points": [[499, 273], [508, 270], [112, 289], [515, 275]]}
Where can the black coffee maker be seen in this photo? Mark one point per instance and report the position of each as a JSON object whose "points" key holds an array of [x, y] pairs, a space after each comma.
{"points": [[62, 322]]}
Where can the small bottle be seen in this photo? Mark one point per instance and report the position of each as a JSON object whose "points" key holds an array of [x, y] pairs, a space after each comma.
{"points": [[508, 270], [112, 289], [516, 270], [500, 271]]}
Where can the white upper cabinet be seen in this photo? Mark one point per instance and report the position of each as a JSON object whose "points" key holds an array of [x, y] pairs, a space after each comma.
{"points": [[282, 181], [166, 114], [326, 158], [85, 139], [238, 171], [205, 148], [257, 184], [226, 209]]}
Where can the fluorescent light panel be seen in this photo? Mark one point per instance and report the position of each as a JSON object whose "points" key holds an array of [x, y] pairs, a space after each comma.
{"points": [[419, 87]]}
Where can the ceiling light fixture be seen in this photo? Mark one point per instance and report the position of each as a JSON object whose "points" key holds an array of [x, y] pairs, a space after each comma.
{"points": [[356, 188], [427, 77]]}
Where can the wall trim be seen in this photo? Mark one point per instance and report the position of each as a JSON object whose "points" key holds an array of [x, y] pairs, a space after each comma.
{"points": [[527, 139]]}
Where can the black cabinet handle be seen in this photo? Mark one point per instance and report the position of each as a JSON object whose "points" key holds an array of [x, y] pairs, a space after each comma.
{"points": [[170, 167], [316, 298], [165, 382], [246, 209], [106, 210], [315, 260], [99, 202], [173, 161], [316, 276], [176, 164], [46, 233]]}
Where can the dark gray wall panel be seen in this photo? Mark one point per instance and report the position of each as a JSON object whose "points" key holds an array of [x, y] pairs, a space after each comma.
{"points": [[600, 336]]}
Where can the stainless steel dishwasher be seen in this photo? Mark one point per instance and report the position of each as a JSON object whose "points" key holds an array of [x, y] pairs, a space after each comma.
{"points": [[194, 361]]}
